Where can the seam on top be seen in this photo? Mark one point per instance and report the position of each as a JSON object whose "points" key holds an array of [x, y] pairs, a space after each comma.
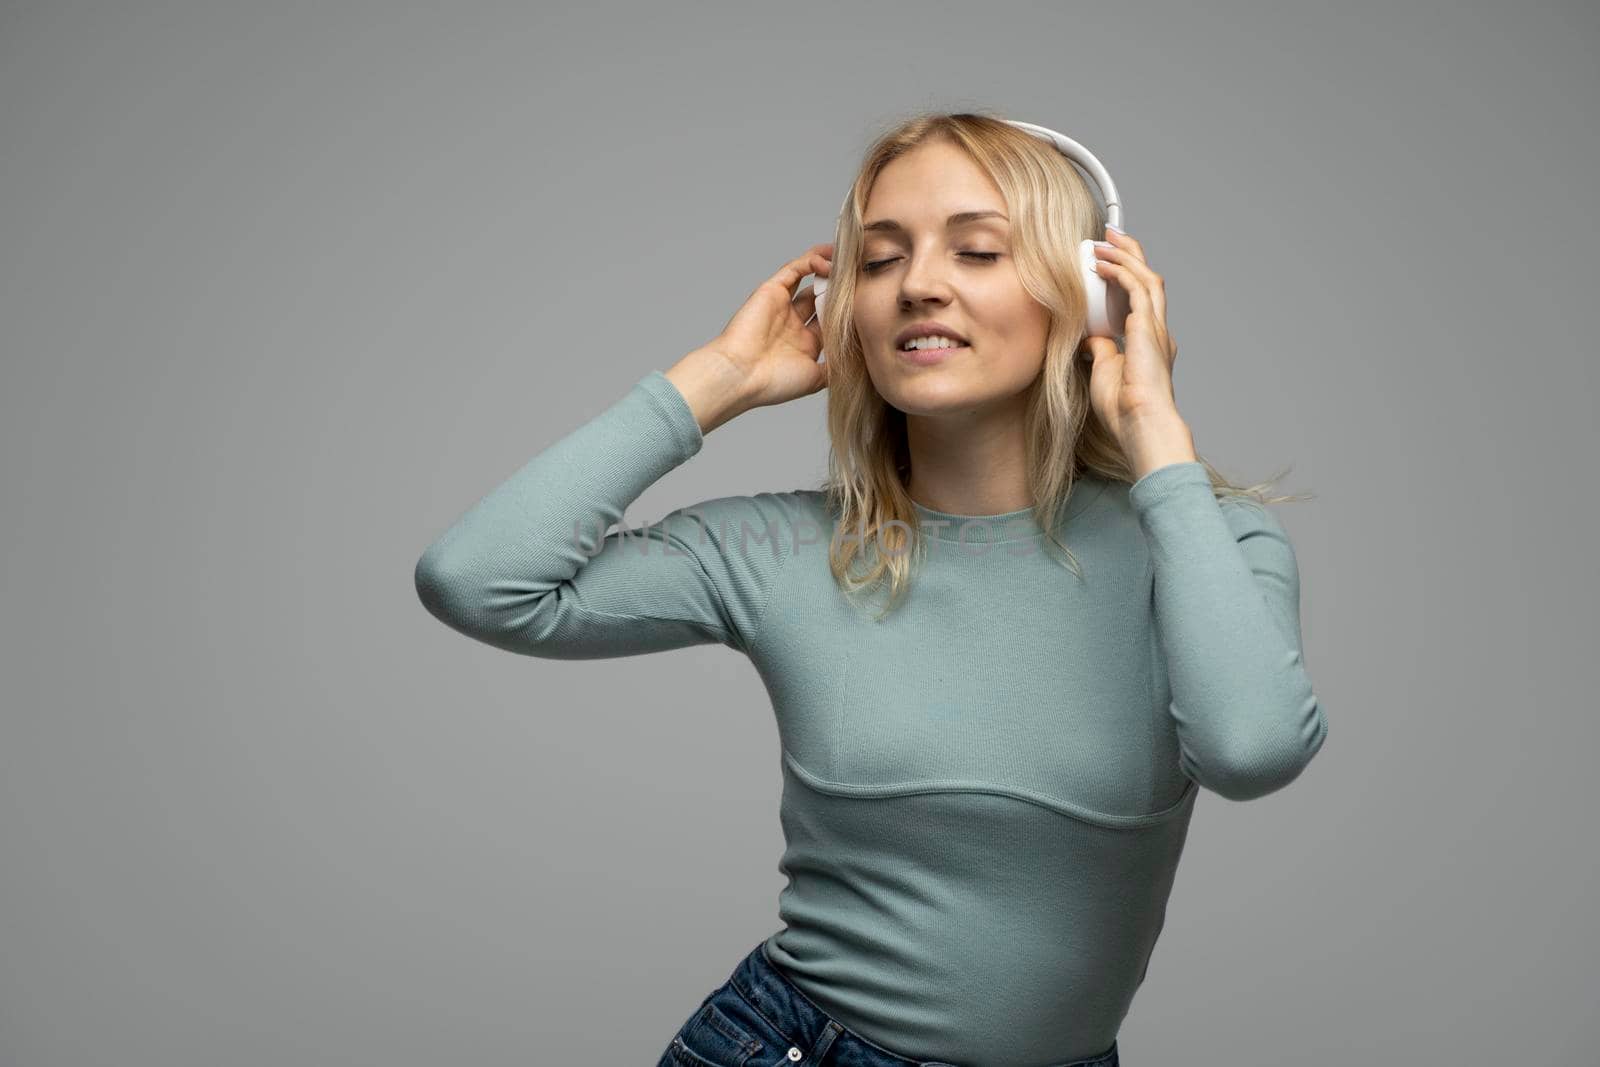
{"points": [[1081, 501], [772, 590], [716, 590], [1028, 796], [619, 615]]}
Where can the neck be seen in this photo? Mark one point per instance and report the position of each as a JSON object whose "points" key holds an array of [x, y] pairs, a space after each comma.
{"points": [[969, 463]]}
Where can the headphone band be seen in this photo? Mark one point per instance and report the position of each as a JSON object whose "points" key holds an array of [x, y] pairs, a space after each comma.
{"points": [[1079, 155]]}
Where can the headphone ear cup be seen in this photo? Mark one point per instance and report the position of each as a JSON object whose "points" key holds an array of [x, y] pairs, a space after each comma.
{"points": [[1107, 302]]}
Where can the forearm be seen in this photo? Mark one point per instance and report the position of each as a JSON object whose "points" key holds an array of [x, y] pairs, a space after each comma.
{"points": [[1226, 596], [505, 571]]}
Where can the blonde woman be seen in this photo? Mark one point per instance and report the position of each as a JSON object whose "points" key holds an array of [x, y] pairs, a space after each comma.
{"points": [[1007, 642]]}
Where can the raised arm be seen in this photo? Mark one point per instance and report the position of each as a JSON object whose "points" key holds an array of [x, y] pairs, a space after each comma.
{"points": [[526, 570], [1227, 607]]}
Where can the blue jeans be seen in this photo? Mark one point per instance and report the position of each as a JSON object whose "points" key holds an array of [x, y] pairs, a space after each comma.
{"points": [[758, 1018]]}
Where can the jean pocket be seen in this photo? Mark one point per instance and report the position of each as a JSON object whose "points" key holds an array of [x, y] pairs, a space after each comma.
{"points": [[713, 1038]]}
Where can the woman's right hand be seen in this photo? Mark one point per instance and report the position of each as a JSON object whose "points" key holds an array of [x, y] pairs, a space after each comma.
{"points": [[768, 340]]}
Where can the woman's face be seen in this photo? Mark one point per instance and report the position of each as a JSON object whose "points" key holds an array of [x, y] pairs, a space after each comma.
{"points": [[959, 274]]}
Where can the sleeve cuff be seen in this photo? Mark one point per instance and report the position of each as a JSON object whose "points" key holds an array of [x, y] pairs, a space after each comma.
{"points": [[675, 410], [1165, 481]]}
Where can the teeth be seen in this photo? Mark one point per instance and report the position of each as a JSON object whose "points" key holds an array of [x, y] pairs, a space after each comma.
{"points": [[930, 342]]}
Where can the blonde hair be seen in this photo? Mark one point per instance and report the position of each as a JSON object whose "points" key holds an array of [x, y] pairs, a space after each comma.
{"points": [[1052, 208]]}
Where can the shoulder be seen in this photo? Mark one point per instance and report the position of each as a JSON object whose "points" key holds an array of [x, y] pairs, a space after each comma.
{"points": [[739, 523]]}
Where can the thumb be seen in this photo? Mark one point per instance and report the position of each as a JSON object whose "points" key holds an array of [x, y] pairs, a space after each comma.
{"points": [[1099, 347]]}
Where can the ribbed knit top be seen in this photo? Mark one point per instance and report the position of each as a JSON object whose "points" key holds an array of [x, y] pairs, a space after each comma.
{"points": [[984, 795]]}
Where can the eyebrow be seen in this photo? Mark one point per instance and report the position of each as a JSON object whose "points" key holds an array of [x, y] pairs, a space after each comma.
{"points": [[958, 219]]}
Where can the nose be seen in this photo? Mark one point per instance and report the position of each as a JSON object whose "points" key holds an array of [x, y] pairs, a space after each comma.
{"points": [[924, 280]]}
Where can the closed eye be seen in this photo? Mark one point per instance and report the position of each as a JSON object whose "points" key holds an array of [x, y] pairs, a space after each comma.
{"points": [[877, 264]]}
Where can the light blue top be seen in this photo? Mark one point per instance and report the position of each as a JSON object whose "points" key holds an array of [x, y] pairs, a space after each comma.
{"points": [[985, 795]]}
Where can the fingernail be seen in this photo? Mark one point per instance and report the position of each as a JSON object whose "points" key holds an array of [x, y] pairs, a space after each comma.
{"points": [[1119, 229]]}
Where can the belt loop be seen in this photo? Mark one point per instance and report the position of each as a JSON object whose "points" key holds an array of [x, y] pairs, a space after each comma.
{"points": [[825, 1042]]}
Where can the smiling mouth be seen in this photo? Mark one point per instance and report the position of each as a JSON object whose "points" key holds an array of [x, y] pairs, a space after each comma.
{"points": [[928, 357]]}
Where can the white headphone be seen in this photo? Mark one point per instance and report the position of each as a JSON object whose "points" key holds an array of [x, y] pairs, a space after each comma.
{"points": [[1108, 304]]}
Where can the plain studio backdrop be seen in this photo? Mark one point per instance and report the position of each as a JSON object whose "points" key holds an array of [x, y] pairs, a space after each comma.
{"points": [[287, 288]]}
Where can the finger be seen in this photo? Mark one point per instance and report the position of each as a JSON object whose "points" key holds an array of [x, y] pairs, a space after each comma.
{"points": [[823, 252], [1125, 241], [1140, 301], [1128, 258], [1128, 244], [1095, 347], [791, 273], [1152, 281]]}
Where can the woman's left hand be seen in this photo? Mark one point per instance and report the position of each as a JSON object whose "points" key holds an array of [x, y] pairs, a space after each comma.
{"points": [[1131, 390]]}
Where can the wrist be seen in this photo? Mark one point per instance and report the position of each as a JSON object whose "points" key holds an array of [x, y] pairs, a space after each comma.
{"points": [[715, 388], [1156, 440]]}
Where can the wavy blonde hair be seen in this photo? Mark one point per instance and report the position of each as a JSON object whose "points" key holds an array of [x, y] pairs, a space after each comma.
{"points": [[1052, 208]]}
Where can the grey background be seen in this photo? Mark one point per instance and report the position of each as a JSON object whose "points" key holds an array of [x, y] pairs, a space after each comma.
{"points": [[286, 288]]}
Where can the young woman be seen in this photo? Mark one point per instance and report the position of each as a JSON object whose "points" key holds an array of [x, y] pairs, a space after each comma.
{"points": [[1007, 642]]}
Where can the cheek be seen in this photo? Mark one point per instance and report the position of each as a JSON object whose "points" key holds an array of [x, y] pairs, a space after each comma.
{"points": [[871, 319], [1018, 331], [1021, 320]]}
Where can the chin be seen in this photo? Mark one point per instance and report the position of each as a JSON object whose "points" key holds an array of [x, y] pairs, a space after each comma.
{"points": [[944, 390], [934, 391]]}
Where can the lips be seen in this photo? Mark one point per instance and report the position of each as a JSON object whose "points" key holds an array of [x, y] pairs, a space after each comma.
{"points": [[927, 329], [927, 357]]}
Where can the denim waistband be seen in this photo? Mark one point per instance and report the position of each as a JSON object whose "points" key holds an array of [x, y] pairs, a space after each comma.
{"points": [[821, 1038], [806, 1026]]}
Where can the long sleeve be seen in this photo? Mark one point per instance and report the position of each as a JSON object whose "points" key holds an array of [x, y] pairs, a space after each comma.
{"points": [[526, 570], [1227, 605]]}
